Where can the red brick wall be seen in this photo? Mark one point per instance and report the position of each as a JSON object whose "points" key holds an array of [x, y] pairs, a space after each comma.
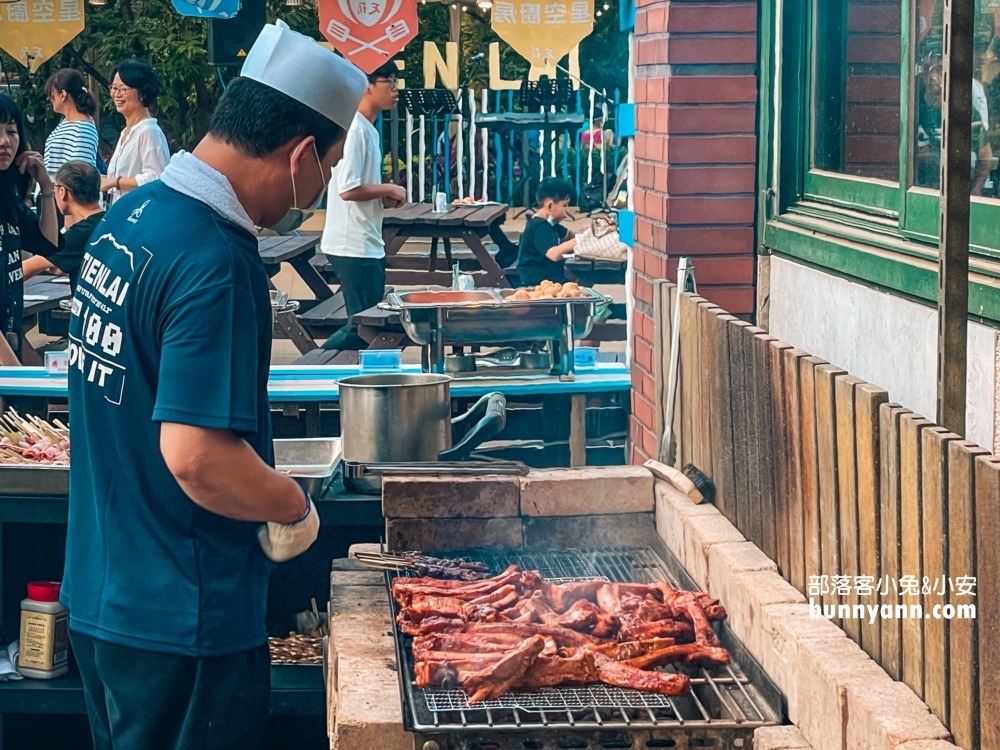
{"points": [[695, 149], [871, 124]]}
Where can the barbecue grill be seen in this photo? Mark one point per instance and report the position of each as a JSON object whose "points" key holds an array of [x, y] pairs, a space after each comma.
{"points": [[724, 708]]}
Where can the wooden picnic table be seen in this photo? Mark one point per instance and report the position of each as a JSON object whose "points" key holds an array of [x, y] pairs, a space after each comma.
{"points": [[471, 224], [297, 251], [43, 293]]}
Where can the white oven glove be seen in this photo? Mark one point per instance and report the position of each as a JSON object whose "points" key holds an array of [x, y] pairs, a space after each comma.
{"points": [[283, 541]]}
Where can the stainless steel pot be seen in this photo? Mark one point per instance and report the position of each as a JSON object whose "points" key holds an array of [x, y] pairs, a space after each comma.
{"points": [[394, 418]]}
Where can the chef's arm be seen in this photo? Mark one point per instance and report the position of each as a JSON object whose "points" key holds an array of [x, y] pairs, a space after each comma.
{"points": [[222, 473]]}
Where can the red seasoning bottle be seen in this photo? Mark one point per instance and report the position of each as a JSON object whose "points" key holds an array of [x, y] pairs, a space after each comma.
{"points": [[44, 647]]}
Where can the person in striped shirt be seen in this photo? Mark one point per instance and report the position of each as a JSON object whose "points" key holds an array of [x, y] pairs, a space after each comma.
{"points": [[75, 138]]}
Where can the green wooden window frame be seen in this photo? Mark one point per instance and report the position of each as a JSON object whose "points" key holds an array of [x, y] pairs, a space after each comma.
{"points": [[864, 226]]}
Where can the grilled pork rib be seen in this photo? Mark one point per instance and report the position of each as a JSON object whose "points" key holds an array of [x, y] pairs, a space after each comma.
{"points": [[496, 679], [622, 675], [517, 631]]}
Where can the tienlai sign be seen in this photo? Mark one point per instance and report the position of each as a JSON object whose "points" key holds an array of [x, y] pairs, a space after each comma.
{"points": [[368, 32], [32, 31], [543, 31]]}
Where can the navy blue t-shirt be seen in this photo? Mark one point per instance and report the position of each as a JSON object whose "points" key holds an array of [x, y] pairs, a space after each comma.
{"points": [[171, 323], [538, 238]]}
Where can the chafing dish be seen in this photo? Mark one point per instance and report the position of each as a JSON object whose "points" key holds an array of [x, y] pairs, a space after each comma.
{"points": [[436, 318]]}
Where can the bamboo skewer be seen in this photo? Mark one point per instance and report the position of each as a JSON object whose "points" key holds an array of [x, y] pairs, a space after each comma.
{"points": [[14, 454]]}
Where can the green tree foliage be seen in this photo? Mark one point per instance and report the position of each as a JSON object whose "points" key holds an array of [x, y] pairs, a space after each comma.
{"points": [[176, 47]]}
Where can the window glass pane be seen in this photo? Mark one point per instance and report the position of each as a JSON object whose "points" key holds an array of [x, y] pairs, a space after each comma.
{"points": [[856, 87], [985, 96]]}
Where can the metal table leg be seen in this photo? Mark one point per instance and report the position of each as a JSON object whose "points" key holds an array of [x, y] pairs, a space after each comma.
{"points": [[437, 342], [566, 350]]}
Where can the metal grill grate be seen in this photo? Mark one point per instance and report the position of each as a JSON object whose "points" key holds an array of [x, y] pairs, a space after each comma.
{"points": [[723, 698]]}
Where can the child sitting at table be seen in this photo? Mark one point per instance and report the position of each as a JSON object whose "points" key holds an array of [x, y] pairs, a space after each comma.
{"points": [[545, 242]]}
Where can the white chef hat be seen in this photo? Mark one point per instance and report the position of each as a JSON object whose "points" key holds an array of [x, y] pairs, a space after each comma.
{"points": [[296, 65]]}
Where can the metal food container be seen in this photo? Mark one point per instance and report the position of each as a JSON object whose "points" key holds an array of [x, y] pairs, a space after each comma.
{"points": [[26, 480], [486, 316], [403, 418], [311, 462]]}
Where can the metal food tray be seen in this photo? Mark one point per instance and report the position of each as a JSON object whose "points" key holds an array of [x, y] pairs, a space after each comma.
{"points": [[724, 708], [486, 316], [34, 481], [311, 462]]}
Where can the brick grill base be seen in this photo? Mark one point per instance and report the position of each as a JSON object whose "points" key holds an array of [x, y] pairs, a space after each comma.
{"points": [[547, 509]]}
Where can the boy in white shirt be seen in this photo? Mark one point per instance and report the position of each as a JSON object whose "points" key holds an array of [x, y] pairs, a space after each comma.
{"points": [[352, 236]]}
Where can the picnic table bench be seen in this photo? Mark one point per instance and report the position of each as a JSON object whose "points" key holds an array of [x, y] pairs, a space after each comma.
{"points": [[297, 251]]}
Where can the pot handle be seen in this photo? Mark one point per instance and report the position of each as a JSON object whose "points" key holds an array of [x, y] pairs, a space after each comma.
{"points": [[493, 408]]}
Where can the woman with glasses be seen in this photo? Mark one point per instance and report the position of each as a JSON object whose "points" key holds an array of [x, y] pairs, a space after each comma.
{"points": [[75, 138], [142, 152], [20, 227]]}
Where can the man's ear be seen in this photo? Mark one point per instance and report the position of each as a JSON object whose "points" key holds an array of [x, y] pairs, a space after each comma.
{"points": [[303, 149]]}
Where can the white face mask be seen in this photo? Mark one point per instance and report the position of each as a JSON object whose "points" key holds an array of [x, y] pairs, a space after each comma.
{"points": [[295, 217]]}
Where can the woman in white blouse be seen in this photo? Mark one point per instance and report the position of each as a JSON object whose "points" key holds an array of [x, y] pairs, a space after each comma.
{"points": [[142, 152]]}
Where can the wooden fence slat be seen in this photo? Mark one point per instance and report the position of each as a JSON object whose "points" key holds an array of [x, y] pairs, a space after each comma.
{"points": [[891, 549], [934, 501], [726, 490], [765, 441], [793, 452], [739, 368], [963, 700], [714, 346], [826, 450], [782, 479], [868, 399], [706, 318], [911, 558], [847, 494], [987, 598], [810, 467], [754, 527], [695, 403], [689, 377]]}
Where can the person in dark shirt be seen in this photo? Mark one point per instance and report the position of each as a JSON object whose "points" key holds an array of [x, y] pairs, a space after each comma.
{"points": [[175, 510], [545, 241], [20, 228], [78, 190]]}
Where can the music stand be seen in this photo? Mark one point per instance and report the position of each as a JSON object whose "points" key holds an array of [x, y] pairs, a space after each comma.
{"points": [[432, 102], [546, 93]]}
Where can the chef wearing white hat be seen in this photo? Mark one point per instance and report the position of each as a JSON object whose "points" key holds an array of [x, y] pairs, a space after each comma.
{"points": [[174, 505]]}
